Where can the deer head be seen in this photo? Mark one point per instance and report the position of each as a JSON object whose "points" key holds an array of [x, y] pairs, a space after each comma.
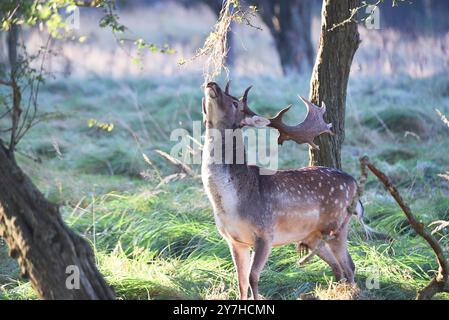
{"points": [[304, 132], [221, 110]]}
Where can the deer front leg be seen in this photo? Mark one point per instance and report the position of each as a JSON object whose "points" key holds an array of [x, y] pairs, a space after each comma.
{"points": [[242, 261], [262, 250]]}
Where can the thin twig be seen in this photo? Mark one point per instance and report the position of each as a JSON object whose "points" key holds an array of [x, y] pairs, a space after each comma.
{"points": [[35, 83]]}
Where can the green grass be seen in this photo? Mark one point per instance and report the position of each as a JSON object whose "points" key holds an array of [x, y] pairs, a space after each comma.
{"points": [[157, 240]]}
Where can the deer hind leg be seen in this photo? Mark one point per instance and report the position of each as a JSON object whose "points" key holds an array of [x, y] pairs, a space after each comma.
{"points": [[241, 257], [262, 250], [322, 249], [351, 262], [326, 253], [339, 248]]}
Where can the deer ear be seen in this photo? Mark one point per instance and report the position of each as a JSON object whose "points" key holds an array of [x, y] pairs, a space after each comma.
{"points": [[255, 121], [228, 84]]}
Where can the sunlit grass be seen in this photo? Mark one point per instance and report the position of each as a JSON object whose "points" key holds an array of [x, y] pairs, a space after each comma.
{"points": [[159, 241]]}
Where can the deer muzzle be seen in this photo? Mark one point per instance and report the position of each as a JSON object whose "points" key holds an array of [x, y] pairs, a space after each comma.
{"points": [[212, 90]]}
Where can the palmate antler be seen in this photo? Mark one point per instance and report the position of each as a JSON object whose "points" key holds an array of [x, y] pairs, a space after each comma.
{"points": [[304, 132]]}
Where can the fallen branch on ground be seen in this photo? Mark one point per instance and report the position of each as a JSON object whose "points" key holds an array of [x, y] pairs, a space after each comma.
{"points": [[182, 166], [440, 282]]}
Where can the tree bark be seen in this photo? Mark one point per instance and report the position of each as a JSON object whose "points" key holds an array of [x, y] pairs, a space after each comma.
{"points": [[339, 41], [290, 23], [40, 241]]}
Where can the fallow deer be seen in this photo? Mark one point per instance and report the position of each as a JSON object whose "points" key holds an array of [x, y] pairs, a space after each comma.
{"points": [[256, 211]]}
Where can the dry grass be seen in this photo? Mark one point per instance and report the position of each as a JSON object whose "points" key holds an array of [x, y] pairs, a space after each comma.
{"points": [[337, 291], [216, 46]]}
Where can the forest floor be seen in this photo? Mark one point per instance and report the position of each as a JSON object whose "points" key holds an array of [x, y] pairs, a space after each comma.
{"points": [[155, 237]]}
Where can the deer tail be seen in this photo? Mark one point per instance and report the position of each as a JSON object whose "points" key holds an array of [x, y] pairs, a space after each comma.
{"points": [[370, 233]]}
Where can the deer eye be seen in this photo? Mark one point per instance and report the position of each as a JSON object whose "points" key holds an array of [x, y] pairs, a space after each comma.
{"points": [[235, 104]]}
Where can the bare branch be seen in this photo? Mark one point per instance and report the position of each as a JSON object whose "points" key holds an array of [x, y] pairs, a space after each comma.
{"points": [[440, 282], [5, 83], [29, 120]]}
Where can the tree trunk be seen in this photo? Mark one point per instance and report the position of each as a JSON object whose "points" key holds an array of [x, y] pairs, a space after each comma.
{"points": [[290, 22], [48, 252], [339, 41]]}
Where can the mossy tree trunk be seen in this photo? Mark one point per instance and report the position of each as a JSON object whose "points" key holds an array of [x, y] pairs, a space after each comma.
{"points": [[339, 41]]}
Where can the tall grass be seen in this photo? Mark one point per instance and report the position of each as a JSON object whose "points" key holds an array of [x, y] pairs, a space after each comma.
{"points": [[158, 240]]}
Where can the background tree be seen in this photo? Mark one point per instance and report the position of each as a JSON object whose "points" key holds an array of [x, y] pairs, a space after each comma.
{"points": [[59, 263], [290, 22], [339, 41]]}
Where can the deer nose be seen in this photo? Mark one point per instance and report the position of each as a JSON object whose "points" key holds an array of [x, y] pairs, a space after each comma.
{"points": [[215, 88], [213, 85]]}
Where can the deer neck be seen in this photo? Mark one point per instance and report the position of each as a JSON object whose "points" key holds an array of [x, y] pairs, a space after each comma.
{"points": [[224, 180], [224, 149]]}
